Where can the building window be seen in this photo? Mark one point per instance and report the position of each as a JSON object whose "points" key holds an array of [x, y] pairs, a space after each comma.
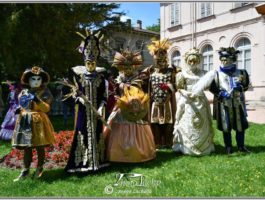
{"points": [[207, 58], [176, 59], [240, 4], [244, 56], [206, 9], [119, 44], [174, 14], [139, 45]]}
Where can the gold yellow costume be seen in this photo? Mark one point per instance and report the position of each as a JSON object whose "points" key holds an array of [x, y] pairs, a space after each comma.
{"points": [[33, 128], [42, 129], [130, 139]]}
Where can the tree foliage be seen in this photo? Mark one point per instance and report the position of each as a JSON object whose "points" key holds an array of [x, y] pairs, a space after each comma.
{"points": [[154, 27], [44, 35]]}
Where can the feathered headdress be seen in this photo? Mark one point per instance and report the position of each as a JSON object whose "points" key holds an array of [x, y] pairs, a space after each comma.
{"points": [[134, 103], [159, 47], [194, 52], [229, 52], [89, 47], [127, 59]]}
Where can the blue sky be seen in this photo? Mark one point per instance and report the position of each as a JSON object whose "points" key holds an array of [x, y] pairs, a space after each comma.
{"points": [[147, 12]]}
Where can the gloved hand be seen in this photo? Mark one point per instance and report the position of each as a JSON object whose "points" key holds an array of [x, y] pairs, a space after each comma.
{"points": [[80, 99], [100, 111], [224, 94], [24, 100]]}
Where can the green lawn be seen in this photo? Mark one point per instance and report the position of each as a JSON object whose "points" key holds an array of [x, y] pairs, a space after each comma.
{"points": [[170, 175]]}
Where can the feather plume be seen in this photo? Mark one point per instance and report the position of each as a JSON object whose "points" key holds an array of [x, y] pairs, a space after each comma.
{"points": [[81, 35]]}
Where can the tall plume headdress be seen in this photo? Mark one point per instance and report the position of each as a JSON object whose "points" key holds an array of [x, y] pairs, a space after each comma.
{"points": [[158, 48], [89, 47]]}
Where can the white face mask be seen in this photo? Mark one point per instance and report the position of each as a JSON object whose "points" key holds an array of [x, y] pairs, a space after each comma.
{"points": [[193, 62], [35, 81]]}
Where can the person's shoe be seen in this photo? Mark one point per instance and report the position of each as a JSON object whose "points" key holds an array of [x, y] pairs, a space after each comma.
{"points": [[23, 174], [38, 173], [243, 150], [228, 150]]}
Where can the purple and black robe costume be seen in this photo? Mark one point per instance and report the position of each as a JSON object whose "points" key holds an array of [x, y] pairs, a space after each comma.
{"points": [[88, 146]]}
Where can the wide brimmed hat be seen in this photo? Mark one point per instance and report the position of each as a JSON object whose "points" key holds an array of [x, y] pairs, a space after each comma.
{"points": [[127, 59], [35, 71], [229, 52]]}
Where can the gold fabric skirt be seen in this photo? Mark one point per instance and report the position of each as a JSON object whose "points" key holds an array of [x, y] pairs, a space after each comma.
{"points": [[130, 142], [42, 130]]}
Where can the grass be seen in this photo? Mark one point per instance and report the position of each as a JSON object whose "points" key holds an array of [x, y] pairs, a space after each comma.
{"points": [[169, 175]]}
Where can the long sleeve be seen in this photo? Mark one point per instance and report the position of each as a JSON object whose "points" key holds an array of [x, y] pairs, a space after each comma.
{"points": [[205, 82], [46, 99], [245, 81]]}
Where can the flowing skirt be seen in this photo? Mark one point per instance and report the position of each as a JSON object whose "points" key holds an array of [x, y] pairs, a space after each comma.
{"points": [[8, 125], [130, 142], [193, 134]]}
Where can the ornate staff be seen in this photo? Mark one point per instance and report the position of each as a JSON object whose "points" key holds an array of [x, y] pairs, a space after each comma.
{"points": [[76, 92]]}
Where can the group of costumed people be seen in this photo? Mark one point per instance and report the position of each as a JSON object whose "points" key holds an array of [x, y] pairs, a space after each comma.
{"points": [[145, 112]]}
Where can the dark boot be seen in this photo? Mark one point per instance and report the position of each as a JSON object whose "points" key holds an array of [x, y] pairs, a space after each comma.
{"points": [[243, 149], [228, 150], [240, 139], [228, 142], [41, 157]]}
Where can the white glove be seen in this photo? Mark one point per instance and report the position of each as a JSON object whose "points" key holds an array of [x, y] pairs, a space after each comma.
{"points": [[80, 99], [101, 109]]}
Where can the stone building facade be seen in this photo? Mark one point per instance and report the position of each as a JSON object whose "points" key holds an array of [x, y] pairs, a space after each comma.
{"points": [[211, 25]]}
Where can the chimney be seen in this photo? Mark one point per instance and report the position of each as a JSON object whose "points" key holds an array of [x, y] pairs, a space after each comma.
{"points": [[139, 24], [129, 22]]}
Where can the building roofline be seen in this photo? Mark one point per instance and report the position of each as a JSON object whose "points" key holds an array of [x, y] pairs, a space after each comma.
{"points": [[145, 31]]}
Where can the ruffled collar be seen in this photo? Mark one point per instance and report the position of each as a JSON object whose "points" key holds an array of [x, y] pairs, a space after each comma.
{"points": [[91, 74]]}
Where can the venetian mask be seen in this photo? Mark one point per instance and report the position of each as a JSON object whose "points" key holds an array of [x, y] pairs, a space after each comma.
{"points": [[161, 59], [193, 61], [226, 61], [35, 81], [128, 71], [90, 65]]}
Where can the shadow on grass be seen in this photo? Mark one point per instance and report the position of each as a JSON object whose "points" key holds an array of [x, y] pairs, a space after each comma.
{"points": [[162, 156], [220, 150]]}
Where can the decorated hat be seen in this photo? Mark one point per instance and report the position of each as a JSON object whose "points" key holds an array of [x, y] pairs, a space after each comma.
{"points": [[229, 52], [194, 52], [158, 48], [134, 103], [89, 47], [127, 59], [35, 71]]}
